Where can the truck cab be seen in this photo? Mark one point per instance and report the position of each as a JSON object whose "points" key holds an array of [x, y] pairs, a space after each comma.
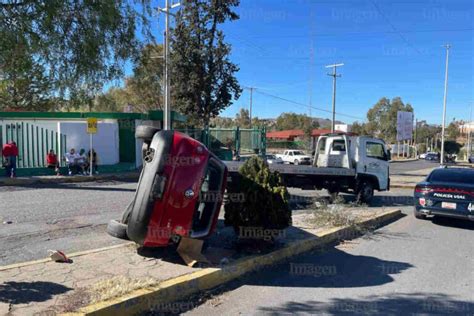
{"points": [[367, 156]]}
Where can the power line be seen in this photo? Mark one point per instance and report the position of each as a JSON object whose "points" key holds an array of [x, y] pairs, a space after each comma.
{"points": [[306, 105], [394, 28], [361, 33]]}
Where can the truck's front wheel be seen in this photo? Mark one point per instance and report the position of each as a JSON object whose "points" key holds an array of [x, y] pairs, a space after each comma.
{"points": [[365, 192], [296, 162]]}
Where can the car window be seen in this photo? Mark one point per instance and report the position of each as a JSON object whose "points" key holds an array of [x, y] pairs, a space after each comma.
{"points": [[339, 145], [322, 146], [298, 153], [464, 176], [374, 150]]}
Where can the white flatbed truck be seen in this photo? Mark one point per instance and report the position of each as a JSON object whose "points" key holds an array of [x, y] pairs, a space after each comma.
{"points": [[341, 163]]}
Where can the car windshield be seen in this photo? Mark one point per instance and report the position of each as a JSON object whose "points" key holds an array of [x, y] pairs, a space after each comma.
{"points": [[464, 176], [271, 157]]}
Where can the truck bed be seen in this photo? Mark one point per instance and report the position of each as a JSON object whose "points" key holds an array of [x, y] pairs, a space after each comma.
{"points": [[233, 166]]}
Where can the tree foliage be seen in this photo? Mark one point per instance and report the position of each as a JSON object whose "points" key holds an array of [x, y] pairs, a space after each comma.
{"points": [[242, 119], [453, 131], [382, 118], [203, 77], [73, 46], [290, 120], [143, 91]]}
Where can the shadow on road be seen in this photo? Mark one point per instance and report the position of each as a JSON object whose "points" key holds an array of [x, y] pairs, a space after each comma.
{"points": [[453, 222], [328, 267], [396, 304], [27, 292]]}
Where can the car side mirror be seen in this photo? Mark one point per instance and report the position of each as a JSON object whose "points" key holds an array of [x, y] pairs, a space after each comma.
{"points": [[388, 156]]}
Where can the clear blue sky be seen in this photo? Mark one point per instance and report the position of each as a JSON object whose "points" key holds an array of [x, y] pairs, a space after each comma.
{"points": [[390, 48]]}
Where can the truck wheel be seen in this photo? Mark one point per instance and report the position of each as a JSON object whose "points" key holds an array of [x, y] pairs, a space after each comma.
{"points": [[365, 192], [117, 229], [296, 162], [146, 132], [333, 195]]}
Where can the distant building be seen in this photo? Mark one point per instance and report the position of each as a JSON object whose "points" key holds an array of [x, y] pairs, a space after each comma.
{"points": [[466, 127], [346, 128]]}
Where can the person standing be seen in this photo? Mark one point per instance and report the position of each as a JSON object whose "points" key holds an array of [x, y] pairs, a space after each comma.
{"points": [[10, 152]]}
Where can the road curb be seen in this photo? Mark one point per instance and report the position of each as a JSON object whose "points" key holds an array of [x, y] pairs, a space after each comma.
{"points": [[71, 255], [159, 296], [71, 179], [404, 160]]}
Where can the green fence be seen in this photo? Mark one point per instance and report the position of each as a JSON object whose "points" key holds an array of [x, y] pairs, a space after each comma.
{"points": [[33, 143], [224, 141]]}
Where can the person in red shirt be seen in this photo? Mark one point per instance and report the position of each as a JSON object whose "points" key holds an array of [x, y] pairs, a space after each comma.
{"points": [[10, 154], [52, 162]]}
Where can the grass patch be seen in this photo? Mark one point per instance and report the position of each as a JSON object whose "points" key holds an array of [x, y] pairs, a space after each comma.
{"points": [[117, 286], [331, 217]]}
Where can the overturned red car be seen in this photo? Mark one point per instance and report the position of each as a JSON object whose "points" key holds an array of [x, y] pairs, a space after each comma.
{"points": [[179, 193]]}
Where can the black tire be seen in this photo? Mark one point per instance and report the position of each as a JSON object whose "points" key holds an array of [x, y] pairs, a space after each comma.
{"points": [[365, 192], [127, 212], [419, 215], [117, 229], [296, 162], [146, 132]]}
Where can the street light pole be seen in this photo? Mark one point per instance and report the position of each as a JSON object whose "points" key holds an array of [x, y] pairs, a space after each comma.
{"points": [[447, 46], [334, 76], [167, 110]]}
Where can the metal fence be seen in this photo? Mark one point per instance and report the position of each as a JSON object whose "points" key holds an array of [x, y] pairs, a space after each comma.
{"points": [[33, 143], [241, 140]]}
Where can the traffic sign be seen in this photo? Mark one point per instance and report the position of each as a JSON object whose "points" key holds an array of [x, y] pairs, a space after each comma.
{"points": [[91, 125]]}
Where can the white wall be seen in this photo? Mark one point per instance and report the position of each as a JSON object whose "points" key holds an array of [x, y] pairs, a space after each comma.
{"points": [[105, 142]]}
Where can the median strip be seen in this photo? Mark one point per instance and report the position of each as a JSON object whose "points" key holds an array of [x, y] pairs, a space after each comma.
{"points": [[152, 297]]}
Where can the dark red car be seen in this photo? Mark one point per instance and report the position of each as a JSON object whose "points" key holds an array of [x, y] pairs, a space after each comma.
{"points": [[179, 193]]}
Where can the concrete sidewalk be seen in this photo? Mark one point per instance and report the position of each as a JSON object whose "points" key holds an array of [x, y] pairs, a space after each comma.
{"points": [[129, 175], [48, 288]]}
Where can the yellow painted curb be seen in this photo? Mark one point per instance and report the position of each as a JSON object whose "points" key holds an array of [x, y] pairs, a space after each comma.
{"points": [[72, 255], [158, 297]]}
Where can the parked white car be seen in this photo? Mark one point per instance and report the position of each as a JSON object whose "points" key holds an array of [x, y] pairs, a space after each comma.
{"points": [[296, 157]]}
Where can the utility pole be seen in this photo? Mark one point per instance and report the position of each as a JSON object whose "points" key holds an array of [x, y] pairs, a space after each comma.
{"points": [[250, 104], [167, 112], [334, 76], [447, 46]]}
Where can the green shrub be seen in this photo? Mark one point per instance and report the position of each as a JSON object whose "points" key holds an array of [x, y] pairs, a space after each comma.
{"points": [[264, 202]]}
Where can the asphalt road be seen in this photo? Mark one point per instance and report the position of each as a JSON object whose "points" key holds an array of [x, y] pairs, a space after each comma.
{"points": [[68, 217], [404, 167], [73, 217], [410, 267]]}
